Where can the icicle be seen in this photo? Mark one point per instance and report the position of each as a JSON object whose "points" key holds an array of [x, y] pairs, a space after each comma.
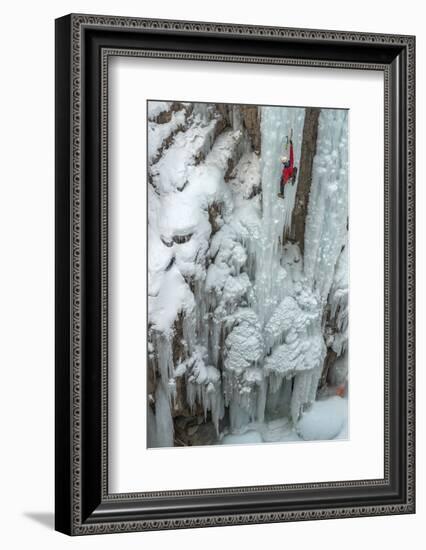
{"points": [[163, 418], [203, 385], [338, 301], [301, 387], [165, 357]]}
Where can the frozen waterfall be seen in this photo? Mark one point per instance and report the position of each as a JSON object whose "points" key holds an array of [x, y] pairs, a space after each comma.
{"points": [[236, 313], [276, 125], [326, 223]]}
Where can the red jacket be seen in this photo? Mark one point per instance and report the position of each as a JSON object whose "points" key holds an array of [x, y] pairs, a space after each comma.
{"points": [[288, 170]]}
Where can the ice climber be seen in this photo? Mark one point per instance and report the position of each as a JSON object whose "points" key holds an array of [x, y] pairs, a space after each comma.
{"points": [[289, 171]]}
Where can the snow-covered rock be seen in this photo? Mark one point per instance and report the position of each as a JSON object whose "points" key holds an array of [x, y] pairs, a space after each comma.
{"points": [[326, 419]]}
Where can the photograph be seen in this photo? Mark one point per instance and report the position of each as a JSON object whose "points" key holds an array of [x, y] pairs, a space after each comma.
{"points": [[248, 273]]}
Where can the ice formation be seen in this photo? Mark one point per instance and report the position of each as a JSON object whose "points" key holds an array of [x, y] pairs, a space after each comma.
{"points": [[326, 223], [236, 313]]}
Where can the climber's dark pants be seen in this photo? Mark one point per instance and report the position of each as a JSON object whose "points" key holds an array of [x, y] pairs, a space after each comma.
{"points": [[282, 185]]}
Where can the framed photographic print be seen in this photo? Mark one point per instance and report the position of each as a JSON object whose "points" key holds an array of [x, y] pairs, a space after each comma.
{"points": [[234, 274]]}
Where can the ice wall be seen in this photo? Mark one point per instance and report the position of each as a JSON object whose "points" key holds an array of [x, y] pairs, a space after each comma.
{"points": [[276, 125], [326, 223]]}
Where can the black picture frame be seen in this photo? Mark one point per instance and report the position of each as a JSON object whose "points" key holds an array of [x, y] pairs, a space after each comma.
{"points": [[83, 45]]}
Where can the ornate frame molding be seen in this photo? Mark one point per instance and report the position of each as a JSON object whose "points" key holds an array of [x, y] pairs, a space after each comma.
{"points": [[72, 45]]}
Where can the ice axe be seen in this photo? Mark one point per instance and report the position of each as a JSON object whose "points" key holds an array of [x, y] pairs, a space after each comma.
{"points": [[291, 138]]}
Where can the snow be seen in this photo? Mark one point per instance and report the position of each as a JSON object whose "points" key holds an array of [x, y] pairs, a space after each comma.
{"points": [[235, 288], [290, 358], [294, 330], [294, 315], [174, 167], [246, 176], [244, 345], [278, 430], [325, 419], [155, 108], [159, 133], [180, 214], [246, 220], [175, 296], [249, 437]]}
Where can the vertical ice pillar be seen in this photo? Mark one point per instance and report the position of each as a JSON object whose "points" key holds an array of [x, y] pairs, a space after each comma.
{"points": [[326, 222], [276, 126]]}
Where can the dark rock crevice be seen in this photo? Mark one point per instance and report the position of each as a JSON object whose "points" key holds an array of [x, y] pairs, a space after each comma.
{"points": [[309, 147]]}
